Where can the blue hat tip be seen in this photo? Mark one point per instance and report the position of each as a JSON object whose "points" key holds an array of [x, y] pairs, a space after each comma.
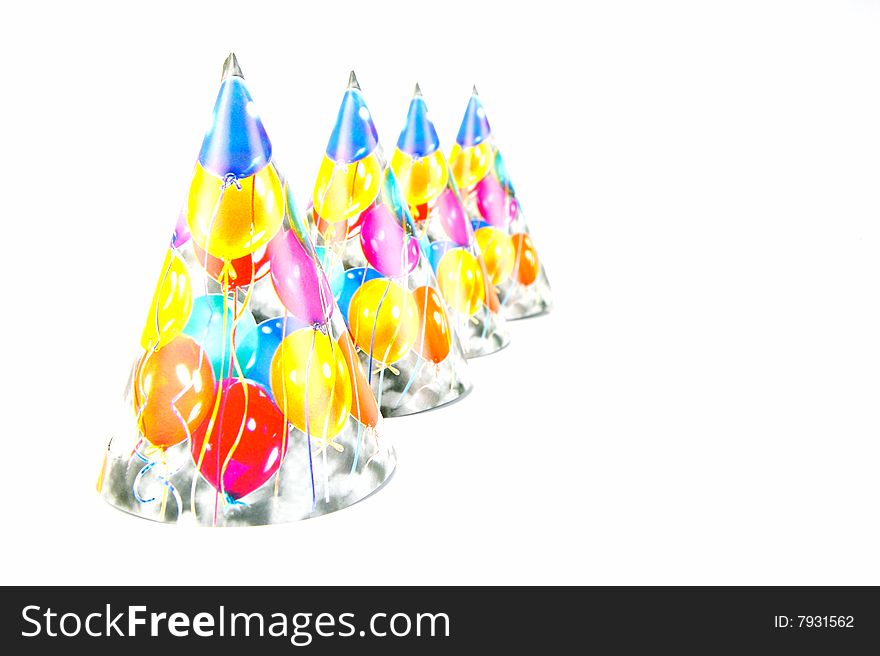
{"points": [[236, 143]]}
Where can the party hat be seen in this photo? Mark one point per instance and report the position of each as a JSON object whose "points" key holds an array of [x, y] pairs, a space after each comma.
{"points": [[499, 226], [465, 275], [380, 277], [247, 403]]}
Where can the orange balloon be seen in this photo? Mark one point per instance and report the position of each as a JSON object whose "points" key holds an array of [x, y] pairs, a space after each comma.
{"points": [[525, 265], [174, 390], [363, 403], [434, 337]]}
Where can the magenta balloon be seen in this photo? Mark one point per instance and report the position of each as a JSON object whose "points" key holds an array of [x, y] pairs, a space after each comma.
{"points": [[385, 245], [512, 209], [454, 219], [299, 282], [490, 201]]}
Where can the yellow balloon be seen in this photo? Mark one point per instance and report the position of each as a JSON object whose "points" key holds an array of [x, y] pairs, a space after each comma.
{"points": [[421, 178], [498, 252], [345, 190], [326, 388], [383, 317], [172, 303], [230, 222], [461, 281], [471, 164]]}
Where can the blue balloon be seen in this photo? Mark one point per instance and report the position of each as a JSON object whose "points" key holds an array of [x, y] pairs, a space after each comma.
{"points": [[205, 326], [354, 135], [236, 143], [474, 126], [479, 223], [418, 138], [348, 284], [269, 335], [437, 250]]}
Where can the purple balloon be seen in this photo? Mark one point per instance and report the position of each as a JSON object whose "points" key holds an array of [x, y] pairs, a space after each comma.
{"points": [[181, 230], [299, 282], [454, 219], [385, 244], [490, 201]]}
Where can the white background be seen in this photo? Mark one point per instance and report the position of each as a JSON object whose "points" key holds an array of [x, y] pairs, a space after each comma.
{"points": [[702, 180]]}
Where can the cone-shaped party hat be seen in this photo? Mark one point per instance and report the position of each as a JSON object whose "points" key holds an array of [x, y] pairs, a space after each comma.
{"points": [[465, 275], [381, 279], [247, 403], [499, 225]]}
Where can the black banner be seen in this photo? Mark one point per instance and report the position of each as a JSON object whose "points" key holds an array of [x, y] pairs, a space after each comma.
{"points": [[438, 620]]}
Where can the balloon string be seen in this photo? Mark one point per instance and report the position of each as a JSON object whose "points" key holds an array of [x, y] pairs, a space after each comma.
{"points": [[308, 423], [394, 335], [236, 366], [156, 316], [373, 333], [234, 362], [514, 282], [324, 441], [326, 472], [284, 402], [212, 420], [240, 375], [163, 479], [409, 383], [486, 311], [357, 448]]}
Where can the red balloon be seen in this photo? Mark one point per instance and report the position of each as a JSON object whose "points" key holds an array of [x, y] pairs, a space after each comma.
{"points": [[261, 431], [238, 272], [419, 212]]}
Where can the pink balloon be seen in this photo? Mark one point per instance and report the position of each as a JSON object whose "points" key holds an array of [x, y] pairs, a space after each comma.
{"points": [[299, 282], [454, 219], [490, 201], [512, 209], [385, 245]]}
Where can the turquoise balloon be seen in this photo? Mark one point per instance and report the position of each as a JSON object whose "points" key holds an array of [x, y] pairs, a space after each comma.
{"points": [[503, 176], [425, 244], [205, 326], [392, 196], [437, 250], [332, 266], [348, 284]]}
